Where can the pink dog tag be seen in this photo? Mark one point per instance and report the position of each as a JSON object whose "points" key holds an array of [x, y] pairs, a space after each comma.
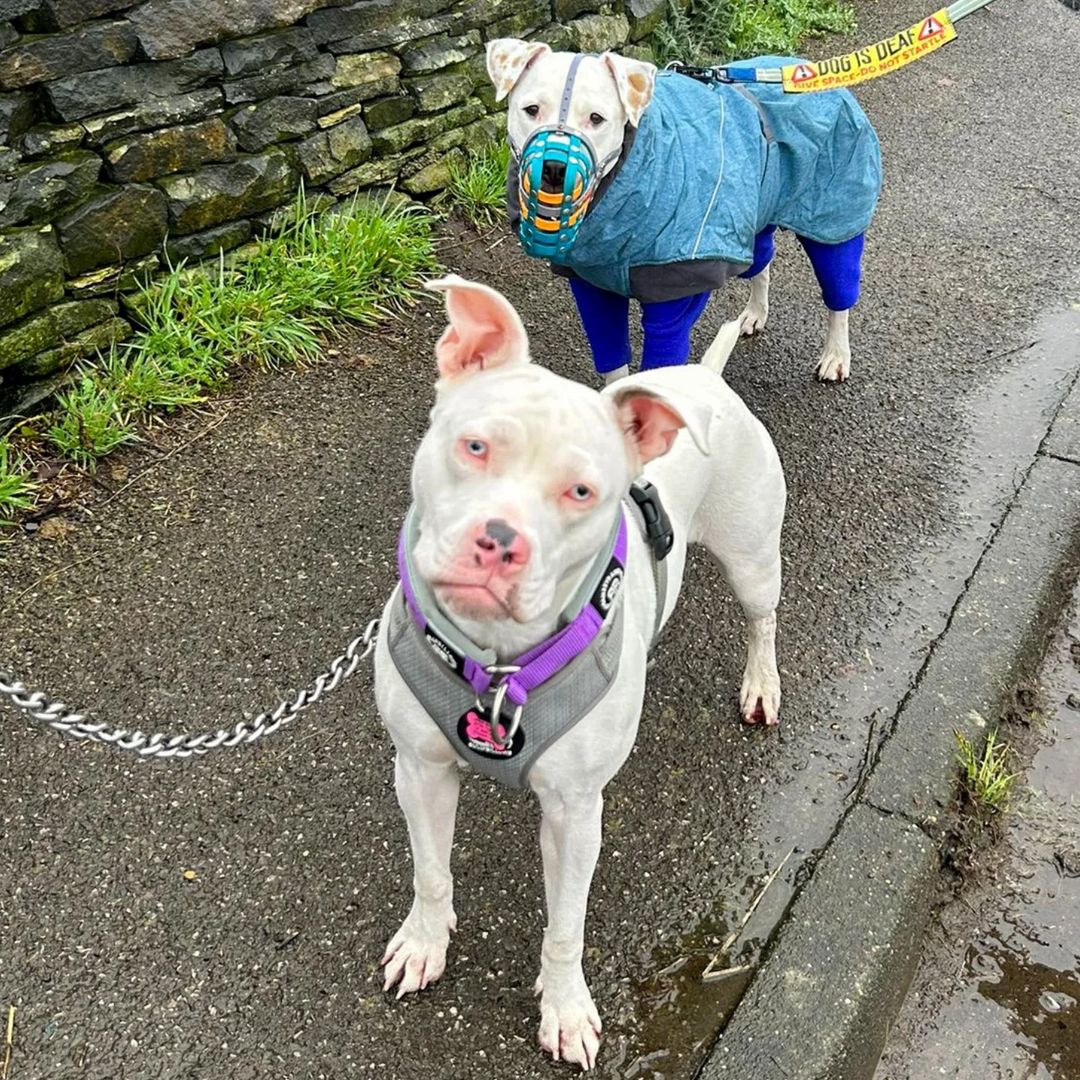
{"points": [[474, 730]]}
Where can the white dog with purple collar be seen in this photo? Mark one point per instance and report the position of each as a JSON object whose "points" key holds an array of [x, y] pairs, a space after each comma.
{"points": [[517, 485]]}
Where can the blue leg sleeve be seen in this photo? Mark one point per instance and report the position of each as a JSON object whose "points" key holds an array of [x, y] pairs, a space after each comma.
{"points": [[606, 319], [667, 325], [838, 268], [764, 248]]}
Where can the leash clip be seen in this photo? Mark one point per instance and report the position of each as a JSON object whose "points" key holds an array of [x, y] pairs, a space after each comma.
{"points": [[701, 74]]}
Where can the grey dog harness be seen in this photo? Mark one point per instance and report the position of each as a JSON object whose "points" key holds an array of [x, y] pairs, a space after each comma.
{"points": [[554, 706]]}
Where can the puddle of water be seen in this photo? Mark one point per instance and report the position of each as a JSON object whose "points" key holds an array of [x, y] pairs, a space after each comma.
{"points": [[676, 1016], [1000, 996]]}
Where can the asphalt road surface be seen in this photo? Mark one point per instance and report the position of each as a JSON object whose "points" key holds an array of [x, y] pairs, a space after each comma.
{"points": [[225, 918]]}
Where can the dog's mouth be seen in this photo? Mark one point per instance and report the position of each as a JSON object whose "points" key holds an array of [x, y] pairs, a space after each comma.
{"points": [[472, 601]]}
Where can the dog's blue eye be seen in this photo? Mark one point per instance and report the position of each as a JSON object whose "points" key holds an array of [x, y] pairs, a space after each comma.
{"points": [[580, 493], [476, 447]]}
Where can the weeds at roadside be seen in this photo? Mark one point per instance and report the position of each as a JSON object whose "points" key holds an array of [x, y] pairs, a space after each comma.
{"points": [[716, 31], [987, 780], [16, 486], [358, 263], [478, 186]]}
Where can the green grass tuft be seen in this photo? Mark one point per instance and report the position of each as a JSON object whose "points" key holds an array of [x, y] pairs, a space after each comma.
{"points": [[717, 31], [986, 776], [478, 186], [91, 421], [16, 488], [358, 263]]}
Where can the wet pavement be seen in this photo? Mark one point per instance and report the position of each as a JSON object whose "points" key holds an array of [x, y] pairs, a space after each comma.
{"points": [[230, 572], [997, 994]]}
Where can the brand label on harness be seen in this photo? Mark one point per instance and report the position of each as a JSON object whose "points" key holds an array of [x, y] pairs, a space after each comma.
{"points": [[608, 589], [880, 58]]}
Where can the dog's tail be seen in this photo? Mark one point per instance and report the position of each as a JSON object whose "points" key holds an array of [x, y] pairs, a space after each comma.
{"points": [[716, 355]]}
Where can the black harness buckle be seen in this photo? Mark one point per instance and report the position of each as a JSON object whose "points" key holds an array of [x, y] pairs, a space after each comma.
{"points": [[658, 531]]}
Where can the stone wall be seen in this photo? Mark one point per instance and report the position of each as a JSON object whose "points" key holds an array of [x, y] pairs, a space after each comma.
{"points": [[132, 131]]}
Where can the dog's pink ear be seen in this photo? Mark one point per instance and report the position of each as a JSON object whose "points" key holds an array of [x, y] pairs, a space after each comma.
{"points": [[507, 59], [635, 80], [485, 331], [650, 420]]}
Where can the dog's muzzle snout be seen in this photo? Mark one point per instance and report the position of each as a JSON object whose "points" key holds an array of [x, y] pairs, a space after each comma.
{"points": [[500, 548], [552, 176]]}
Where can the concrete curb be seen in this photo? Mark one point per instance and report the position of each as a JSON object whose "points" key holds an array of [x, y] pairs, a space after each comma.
{"points": [[820, 1006]]}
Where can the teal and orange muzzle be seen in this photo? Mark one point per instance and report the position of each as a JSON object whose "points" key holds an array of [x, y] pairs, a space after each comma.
{"points": [[556, 181], [557, 178]]}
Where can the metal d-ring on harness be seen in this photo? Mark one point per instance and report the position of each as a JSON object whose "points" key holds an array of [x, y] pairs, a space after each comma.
{"points": [[61, 718]]}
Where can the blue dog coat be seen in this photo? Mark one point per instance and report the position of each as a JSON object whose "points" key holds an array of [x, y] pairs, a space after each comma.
{"points": [[711, 166]]}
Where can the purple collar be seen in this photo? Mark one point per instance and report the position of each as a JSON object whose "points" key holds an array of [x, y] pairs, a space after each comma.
{"points": [[480, 667]]}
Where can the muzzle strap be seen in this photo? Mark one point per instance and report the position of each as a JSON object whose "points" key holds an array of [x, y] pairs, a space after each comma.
{"points": [[568, 88]]}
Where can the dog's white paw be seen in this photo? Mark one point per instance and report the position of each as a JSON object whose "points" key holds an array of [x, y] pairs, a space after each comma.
{"points": [[570, 1028], [835, 363], [414, 959], [759, 698], [753, 318]]}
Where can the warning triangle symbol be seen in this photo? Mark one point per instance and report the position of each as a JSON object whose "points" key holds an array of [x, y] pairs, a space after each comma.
{"points": [[802, 73], [929, 28]]}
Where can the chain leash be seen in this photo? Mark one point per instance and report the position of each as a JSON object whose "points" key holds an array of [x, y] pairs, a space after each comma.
{"points": [[67, 721]]}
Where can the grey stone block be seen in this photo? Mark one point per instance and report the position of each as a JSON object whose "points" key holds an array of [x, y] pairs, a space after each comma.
{"points": [[48, 328], [16, 115], [220, 193], [997, 630], [41, 140], [332, 152], [31, 272], [431, 54], [401, 136], [172, 28], [54, 56], [177, 149], [389, 111], [101, 91], [48, 15], [873, 887], [152, 114], [595, 33], [206, 244], [434, 93], [372, 24], [264, 51], [644, 16], [93, 339], [276, 120], [113, 227], [37, 192], [280, 81]]}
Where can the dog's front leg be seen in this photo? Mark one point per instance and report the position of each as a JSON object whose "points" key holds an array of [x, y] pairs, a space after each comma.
{"points": [[756, 313], [570, 842], [428, 793], [835, 362]]}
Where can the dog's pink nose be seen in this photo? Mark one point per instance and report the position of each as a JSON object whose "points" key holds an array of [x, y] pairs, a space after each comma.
{"points": [[500, 548]]}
